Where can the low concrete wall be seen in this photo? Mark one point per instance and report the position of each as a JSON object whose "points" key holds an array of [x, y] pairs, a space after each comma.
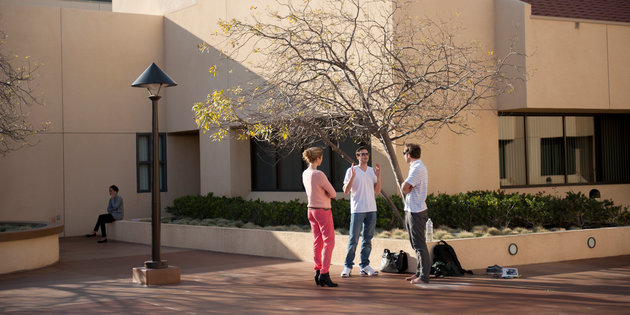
{"points": [[474, 253], [29, 249]]}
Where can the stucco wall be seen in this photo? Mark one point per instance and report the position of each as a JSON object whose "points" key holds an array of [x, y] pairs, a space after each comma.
{"points": [[75, 4], [194, 24], [91, 57], [455, 162], [89, 60], [153, 7], [473, 253], [568, 66], [512, 19], [29, 253], [618, 38], [32, 178]]}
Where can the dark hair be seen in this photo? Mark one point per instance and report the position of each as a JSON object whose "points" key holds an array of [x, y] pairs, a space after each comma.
{"points": [[114, 188], [361, 148], [414, 150]]}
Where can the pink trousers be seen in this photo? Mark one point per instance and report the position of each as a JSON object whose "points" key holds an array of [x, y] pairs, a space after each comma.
{"points": [[323, 237]]}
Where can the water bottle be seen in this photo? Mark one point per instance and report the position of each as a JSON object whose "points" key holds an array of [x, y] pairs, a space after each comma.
{"points": [[429, 230]]}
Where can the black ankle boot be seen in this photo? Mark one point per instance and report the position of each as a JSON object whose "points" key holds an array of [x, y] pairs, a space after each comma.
{"points": [[324, 280], [316, 277]]}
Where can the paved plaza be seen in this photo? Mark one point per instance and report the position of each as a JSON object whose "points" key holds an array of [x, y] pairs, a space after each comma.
{"points": [[96, 279]]}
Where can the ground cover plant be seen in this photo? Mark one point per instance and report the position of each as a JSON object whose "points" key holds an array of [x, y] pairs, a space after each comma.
{"points": [[471, 214], [12, 227]]}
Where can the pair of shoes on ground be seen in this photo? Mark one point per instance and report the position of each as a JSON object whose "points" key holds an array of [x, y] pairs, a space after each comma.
{"points": [[416, 280], [494, 270], [365, 271], [94, 234], [323, 279]]}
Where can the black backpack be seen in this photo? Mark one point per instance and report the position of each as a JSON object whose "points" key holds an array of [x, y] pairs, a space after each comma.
{"points": [[445, 262]]}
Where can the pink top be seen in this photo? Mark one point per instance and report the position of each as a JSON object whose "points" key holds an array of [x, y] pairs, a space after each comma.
{"points": [[318, 189]]}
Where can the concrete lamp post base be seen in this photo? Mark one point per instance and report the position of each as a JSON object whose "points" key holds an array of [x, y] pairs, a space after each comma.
{"points": [[150, 276]]}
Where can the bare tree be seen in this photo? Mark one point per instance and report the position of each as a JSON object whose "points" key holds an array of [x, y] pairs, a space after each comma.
{"points": [[15, 93], [362, 69]]}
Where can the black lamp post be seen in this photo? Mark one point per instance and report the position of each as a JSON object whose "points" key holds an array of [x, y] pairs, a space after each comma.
{"points": [[153, 79]]}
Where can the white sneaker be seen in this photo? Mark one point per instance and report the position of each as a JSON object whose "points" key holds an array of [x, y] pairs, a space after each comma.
{"points": [[368, 271], [346, 272]]}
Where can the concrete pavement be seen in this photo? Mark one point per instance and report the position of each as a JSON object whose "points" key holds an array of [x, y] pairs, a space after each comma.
{"points": [[96, 279]]}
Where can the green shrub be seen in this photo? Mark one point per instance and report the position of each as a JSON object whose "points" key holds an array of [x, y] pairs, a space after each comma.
{"points": [[482, 212], [500, 210]]}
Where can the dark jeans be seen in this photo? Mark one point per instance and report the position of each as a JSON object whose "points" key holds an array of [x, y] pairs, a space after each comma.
{"points": [[102, 219], [415, 224]]}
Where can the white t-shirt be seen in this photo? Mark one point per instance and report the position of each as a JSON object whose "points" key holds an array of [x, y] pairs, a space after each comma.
{"points": [[362, 190], [415, 200]]}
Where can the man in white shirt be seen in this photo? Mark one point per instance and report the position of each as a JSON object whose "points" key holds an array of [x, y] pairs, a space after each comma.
{"points": [[362, 182], [416, 214]]}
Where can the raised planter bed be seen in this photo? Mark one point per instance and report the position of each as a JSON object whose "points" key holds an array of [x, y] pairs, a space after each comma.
{"points": [[474, 253], [35, 247]]}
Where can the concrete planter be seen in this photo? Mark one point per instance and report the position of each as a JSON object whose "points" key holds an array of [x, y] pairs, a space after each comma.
{"points": [[29, 249], [473, 253]]}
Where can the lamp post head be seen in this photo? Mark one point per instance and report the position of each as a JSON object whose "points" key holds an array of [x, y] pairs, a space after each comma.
{"points": [[153, 79]]}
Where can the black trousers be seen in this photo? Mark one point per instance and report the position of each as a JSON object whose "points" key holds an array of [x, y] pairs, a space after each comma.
{"points": [[102, 219]]}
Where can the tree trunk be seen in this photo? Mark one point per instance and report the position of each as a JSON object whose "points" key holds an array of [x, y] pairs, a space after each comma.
{"points": [[394, 209], [391, 156], [390, 152], [335, 148]]}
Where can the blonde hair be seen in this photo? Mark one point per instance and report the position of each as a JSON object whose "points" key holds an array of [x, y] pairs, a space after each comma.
{"points": [[311, 154]]}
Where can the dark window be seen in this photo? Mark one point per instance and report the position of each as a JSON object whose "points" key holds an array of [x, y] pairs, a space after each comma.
{"points": [[552, 156], [502, 145], [563, 149], [278, 171], [144, 162], [613, 149]]}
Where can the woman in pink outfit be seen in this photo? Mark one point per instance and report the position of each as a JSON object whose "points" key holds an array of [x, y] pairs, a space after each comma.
{"points": [[319, 191]]}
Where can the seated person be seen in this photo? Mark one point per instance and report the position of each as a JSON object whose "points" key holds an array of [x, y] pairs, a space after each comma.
{"points": [[115, 212]]}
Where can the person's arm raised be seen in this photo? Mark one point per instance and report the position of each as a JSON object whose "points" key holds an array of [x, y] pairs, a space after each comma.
{"points": [[377, 185], [348, 186]]}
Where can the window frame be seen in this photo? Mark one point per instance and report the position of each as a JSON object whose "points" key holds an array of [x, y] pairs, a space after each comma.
{"points": [[597, 150]]}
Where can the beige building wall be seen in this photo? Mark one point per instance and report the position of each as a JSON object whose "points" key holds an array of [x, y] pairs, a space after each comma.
{"points": [[570, 64], [74, 4], [89, 58], [31, 184], [618, 37], [184, 30], [183, 167], [557, 58], [153, 7], [194, 24], [570, 68], [512, 21], [450, 161]]}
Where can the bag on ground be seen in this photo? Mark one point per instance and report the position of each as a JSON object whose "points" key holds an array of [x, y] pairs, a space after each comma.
{"points": [[394, 262], [445, 262]]}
